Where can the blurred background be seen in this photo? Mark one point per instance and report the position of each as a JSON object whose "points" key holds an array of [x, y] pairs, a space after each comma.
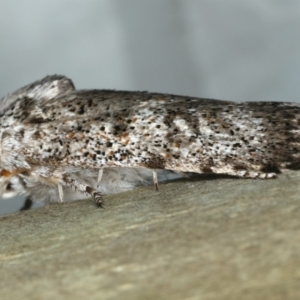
{"points": [[231, 50]]}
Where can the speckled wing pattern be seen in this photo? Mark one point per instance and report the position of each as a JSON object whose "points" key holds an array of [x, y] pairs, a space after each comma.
{"points": [[49, 141]]}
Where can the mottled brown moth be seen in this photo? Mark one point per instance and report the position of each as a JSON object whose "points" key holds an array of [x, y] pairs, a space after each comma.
{"points": [[55, 140]]}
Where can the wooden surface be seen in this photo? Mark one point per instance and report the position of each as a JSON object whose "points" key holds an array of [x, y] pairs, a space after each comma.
{"points": [[209, 238]]}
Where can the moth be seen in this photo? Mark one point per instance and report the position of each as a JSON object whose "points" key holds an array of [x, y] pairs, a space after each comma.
{"points": [[55, 139]]}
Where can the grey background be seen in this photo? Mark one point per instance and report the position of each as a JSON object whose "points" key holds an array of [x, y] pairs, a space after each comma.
{"points": [[237, 50]]}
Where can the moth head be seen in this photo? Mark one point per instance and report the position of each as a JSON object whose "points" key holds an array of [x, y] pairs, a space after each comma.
{"points": [[11, 186]]}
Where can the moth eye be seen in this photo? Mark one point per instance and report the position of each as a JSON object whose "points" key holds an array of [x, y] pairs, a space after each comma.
{"points": [[9, 187]]}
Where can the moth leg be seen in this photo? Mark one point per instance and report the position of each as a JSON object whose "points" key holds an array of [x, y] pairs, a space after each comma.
{"points": [[267, 175], [252, 174], [27, 204], [155, 181], [99, 176], [85, 189], [61, 193], [96, 195], [259, 175]]}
